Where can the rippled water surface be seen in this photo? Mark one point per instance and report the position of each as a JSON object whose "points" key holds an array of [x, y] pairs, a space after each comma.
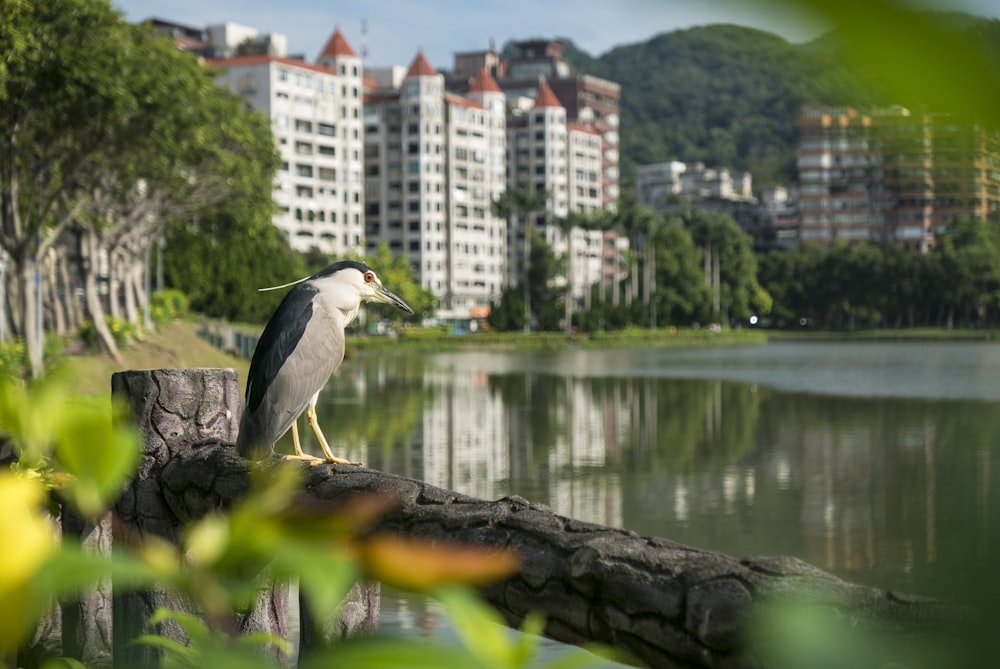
{"points": [[871, 460]]}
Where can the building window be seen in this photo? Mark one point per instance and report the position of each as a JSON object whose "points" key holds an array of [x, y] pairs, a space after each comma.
{"points": [[303, 170], [302, 125], [327, 129]]}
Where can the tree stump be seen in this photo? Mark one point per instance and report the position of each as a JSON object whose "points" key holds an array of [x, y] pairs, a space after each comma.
{"points": [[175, 411]]}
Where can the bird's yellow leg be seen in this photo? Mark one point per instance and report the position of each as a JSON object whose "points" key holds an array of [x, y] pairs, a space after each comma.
{"points": [[297, 445], [314, 423]]}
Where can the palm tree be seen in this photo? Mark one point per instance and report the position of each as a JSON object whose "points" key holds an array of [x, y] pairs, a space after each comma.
{"points": [[517, 205], [598, 219]]}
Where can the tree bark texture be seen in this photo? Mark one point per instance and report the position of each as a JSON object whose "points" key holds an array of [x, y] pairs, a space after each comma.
{"points": [[175, 411], [666, 604]]}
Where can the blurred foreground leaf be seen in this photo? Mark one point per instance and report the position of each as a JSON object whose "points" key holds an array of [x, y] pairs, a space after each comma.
{"points": [[924, 60], [413, 564]]}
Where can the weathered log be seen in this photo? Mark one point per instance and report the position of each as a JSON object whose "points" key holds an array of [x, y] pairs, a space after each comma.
{"points": [[667, 604]]}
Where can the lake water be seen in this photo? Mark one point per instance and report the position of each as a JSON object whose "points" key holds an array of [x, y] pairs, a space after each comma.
{"points": [[870, 460]]}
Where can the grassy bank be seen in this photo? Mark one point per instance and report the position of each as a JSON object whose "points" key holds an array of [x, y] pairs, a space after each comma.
{"points": [[431, 339], [174, 345], [903, 334]]}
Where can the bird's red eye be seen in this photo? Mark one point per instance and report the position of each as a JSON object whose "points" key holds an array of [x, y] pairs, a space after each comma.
{"points": [[369, 277]]}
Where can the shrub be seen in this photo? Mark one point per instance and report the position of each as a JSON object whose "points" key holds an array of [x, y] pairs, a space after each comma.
{"points": [[166, 305], [13, 359], [122, 331]]}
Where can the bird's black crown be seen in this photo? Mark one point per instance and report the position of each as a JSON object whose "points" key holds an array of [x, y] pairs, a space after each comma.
{"points": [[339, 265]]}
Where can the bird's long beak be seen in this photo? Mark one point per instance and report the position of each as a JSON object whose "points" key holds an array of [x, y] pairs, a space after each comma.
{"points": [[383, 294]]}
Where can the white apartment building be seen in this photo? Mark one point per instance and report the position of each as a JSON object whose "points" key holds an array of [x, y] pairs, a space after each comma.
{"points": [[546, 152], [433, 163], [316, 117], [655, 183]]}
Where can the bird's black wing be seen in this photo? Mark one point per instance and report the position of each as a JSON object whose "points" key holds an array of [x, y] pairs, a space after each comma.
{"points": [[278, 340]]}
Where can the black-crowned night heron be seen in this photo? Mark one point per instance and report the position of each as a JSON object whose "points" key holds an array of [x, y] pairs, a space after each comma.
{"points": [[300, 348]]}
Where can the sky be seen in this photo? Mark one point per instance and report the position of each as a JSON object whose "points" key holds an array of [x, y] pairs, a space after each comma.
{"points": [[397, 29]]}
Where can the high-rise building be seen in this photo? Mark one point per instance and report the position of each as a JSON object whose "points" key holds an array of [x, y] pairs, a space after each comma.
{"points": [[316, 117], [434, 161], [563, 137], [891, 176], [545, 152], [589, 101]]}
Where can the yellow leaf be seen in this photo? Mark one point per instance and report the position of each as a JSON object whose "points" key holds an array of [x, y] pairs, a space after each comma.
{"points": [[413, 564], [24, 526]]}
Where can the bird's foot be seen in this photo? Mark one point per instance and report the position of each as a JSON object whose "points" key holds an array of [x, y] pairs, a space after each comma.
{"points": [[314, 460], [334, 460], [311, 459]]}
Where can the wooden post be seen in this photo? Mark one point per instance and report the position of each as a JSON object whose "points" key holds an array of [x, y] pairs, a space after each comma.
{"points": [[176, 411]]}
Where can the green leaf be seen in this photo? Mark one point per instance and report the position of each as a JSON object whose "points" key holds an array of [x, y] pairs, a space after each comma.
{"points": [[480, 627], [324, 578], [170, 647], [64, 663], [73, 569], [393, 653], [263, 639], [97, 452]]}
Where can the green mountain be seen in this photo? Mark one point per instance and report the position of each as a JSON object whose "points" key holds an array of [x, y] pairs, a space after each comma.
{"points": [[723, 95], [728, 95]]}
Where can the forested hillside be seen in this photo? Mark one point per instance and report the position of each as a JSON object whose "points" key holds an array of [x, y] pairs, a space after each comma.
{"points": [[730, 96]]}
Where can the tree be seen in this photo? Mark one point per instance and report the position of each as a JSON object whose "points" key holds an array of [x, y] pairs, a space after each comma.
{"points": [[110, 131], [59, 107], [970, 254], [680, 296], [543, 294], [730, 265], [598, 219], [517, 206], [207, 258], [397, 272]]}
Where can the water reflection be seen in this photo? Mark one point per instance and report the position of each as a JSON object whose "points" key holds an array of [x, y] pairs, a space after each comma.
{"points": [[890, 490]]}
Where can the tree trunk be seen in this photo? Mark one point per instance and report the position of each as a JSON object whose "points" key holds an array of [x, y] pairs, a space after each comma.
{"points": [[29, 307], [74, 308], [55, 297], [114, 286], [94, 308], [131, 286], [524, 275], [568, 306]]}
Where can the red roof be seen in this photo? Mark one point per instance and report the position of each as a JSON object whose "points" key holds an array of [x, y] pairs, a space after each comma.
{"points": [[381, 96], [545, 97], [583, 128], [420, 67], [238, 61], [337, 46], [484, 83], [458, 100]]}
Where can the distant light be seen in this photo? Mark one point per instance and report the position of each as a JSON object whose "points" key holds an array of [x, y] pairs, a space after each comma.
{"points": [[753, 320]]}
